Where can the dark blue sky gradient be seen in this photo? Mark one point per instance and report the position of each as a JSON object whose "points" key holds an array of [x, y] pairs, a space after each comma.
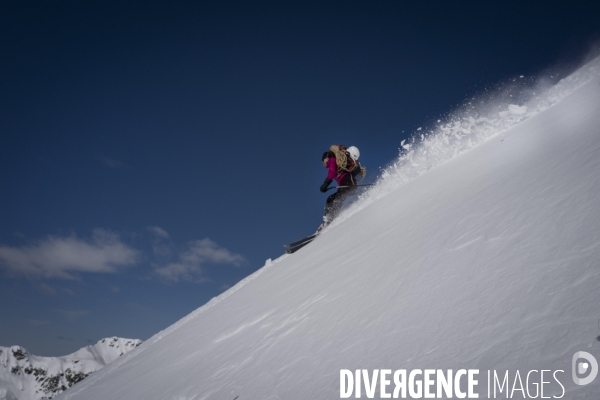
{"points": [[208, 120]]}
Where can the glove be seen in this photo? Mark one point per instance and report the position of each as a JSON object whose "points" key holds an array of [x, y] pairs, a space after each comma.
{"points": [[363, 171], [325, 184]]}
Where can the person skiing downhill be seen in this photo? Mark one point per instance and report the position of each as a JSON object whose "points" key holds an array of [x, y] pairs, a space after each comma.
{"points": [[343, 166]]}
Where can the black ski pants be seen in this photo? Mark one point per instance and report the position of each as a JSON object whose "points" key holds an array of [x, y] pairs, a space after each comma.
{"points": [[335, 201]]}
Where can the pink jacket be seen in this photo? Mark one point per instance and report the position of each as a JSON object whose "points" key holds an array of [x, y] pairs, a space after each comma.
{"points": [[332, 171]]}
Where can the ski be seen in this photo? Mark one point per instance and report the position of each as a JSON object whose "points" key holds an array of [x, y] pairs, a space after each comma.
{"points": [[298, 242], [292, 250]]}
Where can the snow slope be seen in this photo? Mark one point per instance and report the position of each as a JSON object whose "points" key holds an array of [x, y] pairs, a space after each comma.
{"points": [[24, 376], [478, 250]]}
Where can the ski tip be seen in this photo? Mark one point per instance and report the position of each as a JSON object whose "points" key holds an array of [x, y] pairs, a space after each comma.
{"points": [[298, 247], [298, 242]]}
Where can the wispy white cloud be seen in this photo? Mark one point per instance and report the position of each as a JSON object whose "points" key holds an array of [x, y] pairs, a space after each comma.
{"points": [[72, 315], [159, 232], [60, 257], [161, 245], [190, 262], [47, 289]]}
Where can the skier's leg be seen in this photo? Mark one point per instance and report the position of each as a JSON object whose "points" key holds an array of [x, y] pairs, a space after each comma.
{"points": [[331, 208], [335, 201], [334, 204]]}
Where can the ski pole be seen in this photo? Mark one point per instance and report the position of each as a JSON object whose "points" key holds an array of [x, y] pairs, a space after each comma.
{"points": [[343, 187]]}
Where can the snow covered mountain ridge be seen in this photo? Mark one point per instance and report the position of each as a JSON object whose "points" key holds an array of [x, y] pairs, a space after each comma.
{"points": [[24, 376]]}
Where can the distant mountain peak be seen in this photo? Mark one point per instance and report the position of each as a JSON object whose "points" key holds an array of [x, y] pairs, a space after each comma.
{"points": [[24, 376]]}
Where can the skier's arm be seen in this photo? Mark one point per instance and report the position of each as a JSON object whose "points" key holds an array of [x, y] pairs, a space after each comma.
{"points": [[325, 184]]}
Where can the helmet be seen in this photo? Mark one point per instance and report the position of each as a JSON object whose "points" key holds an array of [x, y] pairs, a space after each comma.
{"points": [[354, 153]]}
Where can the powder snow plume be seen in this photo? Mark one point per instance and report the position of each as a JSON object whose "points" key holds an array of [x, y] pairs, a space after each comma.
{"points": [[481, 118]]}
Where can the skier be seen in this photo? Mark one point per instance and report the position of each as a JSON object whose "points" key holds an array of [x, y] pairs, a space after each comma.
{"points": [[343, 166]]}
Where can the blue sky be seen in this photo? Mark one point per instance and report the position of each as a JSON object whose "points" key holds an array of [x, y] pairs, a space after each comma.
{"points": [[155, 153]]}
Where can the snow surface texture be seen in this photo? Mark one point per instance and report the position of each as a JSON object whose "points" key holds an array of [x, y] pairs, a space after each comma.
{"points": [[487, 261], [24, 376]]}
